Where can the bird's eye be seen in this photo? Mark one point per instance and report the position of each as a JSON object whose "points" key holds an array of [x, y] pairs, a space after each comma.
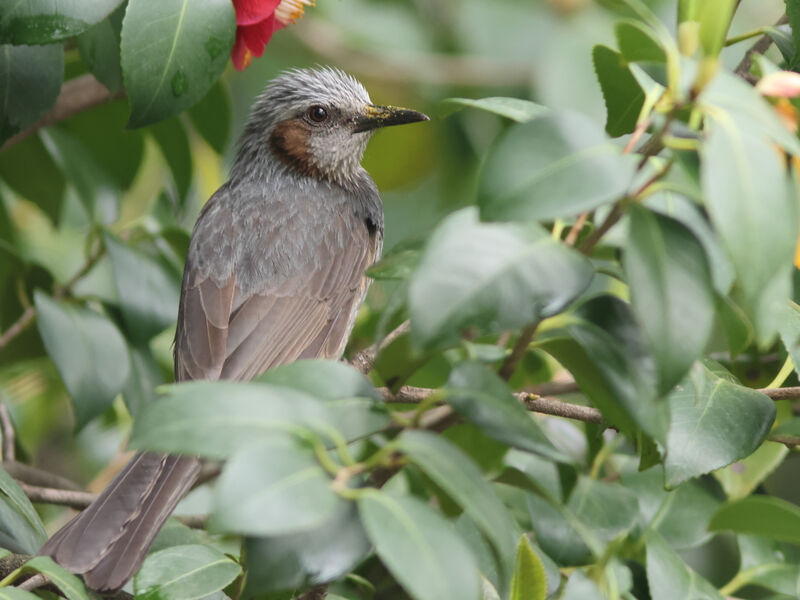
{"points": [[317, 114]]}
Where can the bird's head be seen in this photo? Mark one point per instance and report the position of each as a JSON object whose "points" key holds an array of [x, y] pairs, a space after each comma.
{"points": [[317, 122]]}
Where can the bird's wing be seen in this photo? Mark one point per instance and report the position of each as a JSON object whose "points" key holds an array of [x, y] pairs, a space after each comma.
{"points": [[225, 332]]}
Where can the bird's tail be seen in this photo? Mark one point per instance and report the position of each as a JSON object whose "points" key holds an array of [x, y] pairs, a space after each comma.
{"points": [[107, 542]]}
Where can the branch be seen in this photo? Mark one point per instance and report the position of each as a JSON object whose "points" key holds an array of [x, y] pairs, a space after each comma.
{"points": [[38, 477], [364, 359], [517, 352], [73, 498], [760, 47], [77, 95]]}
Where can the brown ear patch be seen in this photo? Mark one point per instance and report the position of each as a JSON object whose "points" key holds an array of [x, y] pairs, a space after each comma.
{"points": [[289, 142]]}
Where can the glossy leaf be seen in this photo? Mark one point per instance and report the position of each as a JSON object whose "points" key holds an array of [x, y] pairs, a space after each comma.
{"points": [[580, 587], [419, 547], [145, 376], [71, 587], [713, 422], [793, 13], [216, 419], [89, 352], [99, 48], [457, 475], [21, 529], [765, 516], [173, 142], [312, 557], [556, 166], [515, 109], [714, 17], [173, 51], [19, 501], [603, 348], [753, 209], [12, 593], [30, 79], [789, 330], [273, 487], [529, 581], [184, 573], [490, 277], [481, 397], [48, 21], [211, 117], [670, 291], [19, 169], [623, 96], [148, 290], [638, 43], [669, 577]]}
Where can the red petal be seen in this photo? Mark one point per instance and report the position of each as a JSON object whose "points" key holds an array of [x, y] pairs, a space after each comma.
{"points": [[257, 36], [240, 55], [249, 12]]}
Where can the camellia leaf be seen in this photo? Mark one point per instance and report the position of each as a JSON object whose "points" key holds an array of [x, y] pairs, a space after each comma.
{"points": [[88, 351], [478, 394], [184, 573], [148, 290], [581, 587], [12, 593], [273, 487], [491, 277], [173, 51], [420, 548], [171, 137], [48, 21], [793, 12], [603, 348], [17, 498], [714, 17], [713, 422], [21, 529], [670, 578], [789, 329], [311, 557], [623, 96], [529, 581], [217, 418], [515, 109], [69, 584], [457, 475], [671, 292], [637, 42], [30, 79], [752, 207], [555, 166], [211, 117], [99, 48], [765, 516]]}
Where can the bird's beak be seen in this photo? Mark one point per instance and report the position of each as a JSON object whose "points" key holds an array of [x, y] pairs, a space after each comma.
{"points": [[374, 117]]}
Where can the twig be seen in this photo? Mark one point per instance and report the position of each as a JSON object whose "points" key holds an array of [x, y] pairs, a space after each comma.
{"points": [[38, 477], [34, 582], [518, 351], [59, 292], [760, 47], [8, 433], [77, 95], [553, 388], [72, 498], [787, 393], [575, 230], [591, 240], [364, 359]]}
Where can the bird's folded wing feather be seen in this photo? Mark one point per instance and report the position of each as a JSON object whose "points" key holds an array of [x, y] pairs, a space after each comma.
{"points": [[305, 315]]}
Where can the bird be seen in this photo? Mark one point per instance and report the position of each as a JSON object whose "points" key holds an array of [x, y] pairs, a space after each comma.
{"points": [[275, 272]]}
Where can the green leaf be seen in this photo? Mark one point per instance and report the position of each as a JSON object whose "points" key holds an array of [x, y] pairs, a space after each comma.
{"points": [[480, 396], [461, 479], [766, 564], [603, 348], [312, 557], [789, 330], [21, 529], [671, 292], [556, 166], [713, 422], [48, 21], [184, 573], [173, 51], [491, 277], [670, 578], [69, 584], [174, 145], [89, 352], [715, 19], [211, 117], [397, 263], [580, 587], [623, 96], [515, 109], [12, 593], [274, 487], [30, 80], [742, 477], [781, 36], [99, 48], [148, 290], [145, 376], [419, 547], [638, 43], [793, 12], [19, 501], [752, 206], [765, 516], [529, 581], [217, 418], [21, 167]]}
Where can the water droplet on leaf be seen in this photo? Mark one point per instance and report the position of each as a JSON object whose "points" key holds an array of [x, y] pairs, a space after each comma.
{"points": [[179, 83], [214, 47]]}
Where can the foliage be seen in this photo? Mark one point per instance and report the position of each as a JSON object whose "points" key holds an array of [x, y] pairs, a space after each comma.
{"points": [[621, 234]]}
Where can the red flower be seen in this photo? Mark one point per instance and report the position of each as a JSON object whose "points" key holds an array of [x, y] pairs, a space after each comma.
{"points": [[256, 21]]}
